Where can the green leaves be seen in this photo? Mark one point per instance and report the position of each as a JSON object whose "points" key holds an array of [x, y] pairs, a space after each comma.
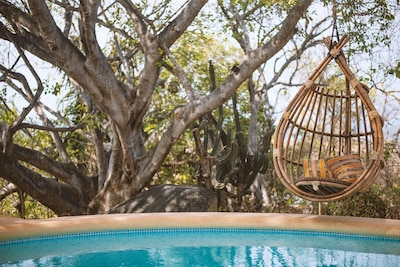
{"points": [[395, 71], [366, 22]]}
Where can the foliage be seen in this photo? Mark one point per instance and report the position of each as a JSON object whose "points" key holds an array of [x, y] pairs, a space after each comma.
{"points": [[396, 71], [367, 22], [379, 201], [194, 54], [129, 107]]}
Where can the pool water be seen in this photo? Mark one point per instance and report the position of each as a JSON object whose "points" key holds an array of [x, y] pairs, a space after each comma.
{"points": [[202, 247]]}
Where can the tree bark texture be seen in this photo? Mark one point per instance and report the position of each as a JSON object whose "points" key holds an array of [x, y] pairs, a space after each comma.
{"points": [[127, 166]]}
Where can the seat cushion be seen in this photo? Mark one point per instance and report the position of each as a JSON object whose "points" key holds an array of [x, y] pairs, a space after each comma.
{"points": [[346, 167], [315, 168]]}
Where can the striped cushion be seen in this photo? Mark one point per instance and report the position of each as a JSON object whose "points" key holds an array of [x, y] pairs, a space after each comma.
{"points": [[314, 168], [347, 167]]}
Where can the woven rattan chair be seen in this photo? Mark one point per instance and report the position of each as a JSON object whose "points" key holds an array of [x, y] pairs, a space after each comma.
{"points": [[329, 143]]}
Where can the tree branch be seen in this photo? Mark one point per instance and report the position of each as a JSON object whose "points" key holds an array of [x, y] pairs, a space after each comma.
{"points": [[20, 18], [88, 11], [64, 199], [179, 25], [47, 25], [51, 128], [185, 115], [180, 73], [65, 172], [139, 23]]}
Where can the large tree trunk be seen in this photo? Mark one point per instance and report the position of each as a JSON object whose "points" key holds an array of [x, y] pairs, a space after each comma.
{"points": [[125, 177], [125, 169]]}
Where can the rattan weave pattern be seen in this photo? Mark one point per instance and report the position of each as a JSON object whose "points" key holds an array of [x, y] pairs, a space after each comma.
{"points": [[322, 122]]}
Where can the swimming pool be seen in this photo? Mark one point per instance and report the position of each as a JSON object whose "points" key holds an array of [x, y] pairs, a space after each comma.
{"points": [[200, 239]]}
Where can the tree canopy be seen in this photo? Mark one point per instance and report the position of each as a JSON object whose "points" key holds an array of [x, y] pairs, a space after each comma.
{"points": [[133, 80]]}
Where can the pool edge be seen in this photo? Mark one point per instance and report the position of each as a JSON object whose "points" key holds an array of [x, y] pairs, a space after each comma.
{"points": [[13, 228]]}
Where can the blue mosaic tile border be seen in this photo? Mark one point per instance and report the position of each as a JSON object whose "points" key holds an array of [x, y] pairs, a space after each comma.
{"points": [[180, 231]]}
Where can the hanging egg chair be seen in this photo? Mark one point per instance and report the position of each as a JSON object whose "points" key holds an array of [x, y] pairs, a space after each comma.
{"points": [[328, 144]]}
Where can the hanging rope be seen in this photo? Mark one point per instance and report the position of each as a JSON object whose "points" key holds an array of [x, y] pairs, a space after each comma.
{"points": [[335, 31], [328, 143]]}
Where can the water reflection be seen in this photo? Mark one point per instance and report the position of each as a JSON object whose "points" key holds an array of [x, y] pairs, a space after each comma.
{"points": [[202, 248]]}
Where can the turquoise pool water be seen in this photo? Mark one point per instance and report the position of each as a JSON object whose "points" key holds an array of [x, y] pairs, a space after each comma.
{"points": [[202, 247]]}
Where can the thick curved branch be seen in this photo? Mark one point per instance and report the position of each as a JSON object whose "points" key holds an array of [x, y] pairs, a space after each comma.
{"points": [[184, 116], [19, 18], [72, 201], [87, 26], [39, 35], [47, 25], [150, 45], [93, 72], [284, 34], [179, 25], [29, 42], [140, 97], [65, 172]]}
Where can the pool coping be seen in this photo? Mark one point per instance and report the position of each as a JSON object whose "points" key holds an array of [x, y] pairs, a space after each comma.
{"points": [[14, 228]]}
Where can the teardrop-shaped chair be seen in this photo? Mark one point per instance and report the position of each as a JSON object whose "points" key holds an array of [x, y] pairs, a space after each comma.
{"points": [[328, 144]]}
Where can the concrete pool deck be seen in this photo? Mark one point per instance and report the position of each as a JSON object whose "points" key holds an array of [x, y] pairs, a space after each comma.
{"points": [[14, 228]]}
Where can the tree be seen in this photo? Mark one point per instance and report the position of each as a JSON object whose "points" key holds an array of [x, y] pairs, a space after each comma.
{"points": [[123, 97], [115, 79]]}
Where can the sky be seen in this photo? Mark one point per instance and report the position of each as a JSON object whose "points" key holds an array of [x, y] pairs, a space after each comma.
{"points": [[386, 106]]}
